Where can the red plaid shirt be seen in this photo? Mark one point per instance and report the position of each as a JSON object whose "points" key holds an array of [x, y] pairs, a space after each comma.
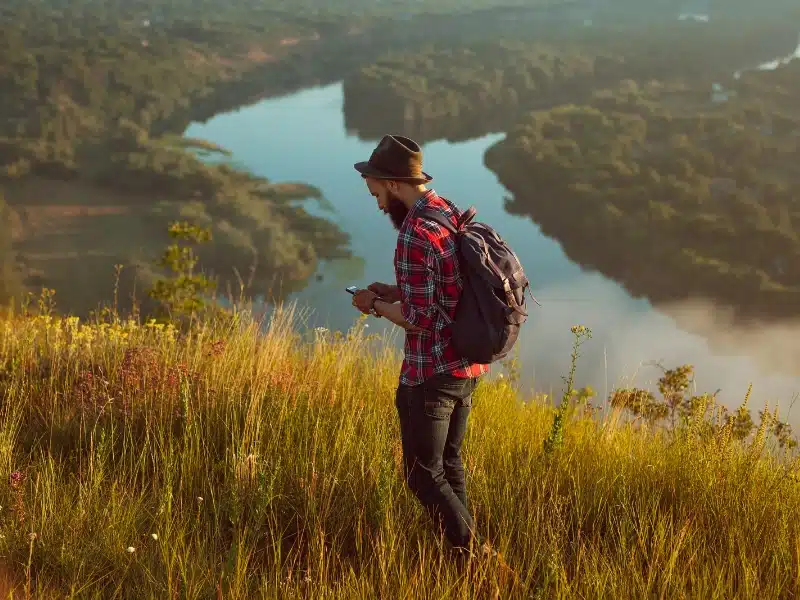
{"points": [[427, 272]]}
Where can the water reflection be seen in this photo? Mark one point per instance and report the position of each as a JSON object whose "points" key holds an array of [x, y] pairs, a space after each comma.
{"points": [[626, 344], [628, 332], [771, 65]]}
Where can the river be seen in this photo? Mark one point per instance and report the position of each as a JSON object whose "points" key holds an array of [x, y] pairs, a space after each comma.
{"points": [[302, 137]]}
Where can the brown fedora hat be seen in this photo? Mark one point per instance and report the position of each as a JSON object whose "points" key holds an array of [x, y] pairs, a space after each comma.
{"points": [[395, 157]]}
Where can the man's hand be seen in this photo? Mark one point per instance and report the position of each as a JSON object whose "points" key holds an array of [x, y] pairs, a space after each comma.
{"points": [[363, 300], [388, 293]]}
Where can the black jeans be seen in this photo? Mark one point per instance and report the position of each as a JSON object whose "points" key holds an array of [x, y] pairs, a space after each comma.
{"points": [[433, 421]]}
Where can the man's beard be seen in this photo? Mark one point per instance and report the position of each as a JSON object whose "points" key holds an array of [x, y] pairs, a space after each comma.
{"points": [[397, 210]]}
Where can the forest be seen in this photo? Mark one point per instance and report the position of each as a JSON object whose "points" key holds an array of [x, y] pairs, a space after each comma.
{"points": [[458, 91], [645, 152], [95, 92], [670, 200]]}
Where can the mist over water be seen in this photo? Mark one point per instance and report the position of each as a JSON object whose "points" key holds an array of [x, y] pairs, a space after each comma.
{"points": [[627, 346], [774, 64]]}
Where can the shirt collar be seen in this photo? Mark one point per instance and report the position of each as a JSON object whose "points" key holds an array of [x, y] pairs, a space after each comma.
{"points": [[421, 202]]}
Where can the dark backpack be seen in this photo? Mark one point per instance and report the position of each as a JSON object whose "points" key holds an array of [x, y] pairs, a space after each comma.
{"points": [[492, 304]]}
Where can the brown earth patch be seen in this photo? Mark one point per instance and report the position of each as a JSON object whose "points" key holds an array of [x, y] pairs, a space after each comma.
{"points": [[69, 235], [256, 54]]}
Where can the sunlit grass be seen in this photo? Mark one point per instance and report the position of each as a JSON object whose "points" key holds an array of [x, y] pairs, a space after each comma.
{"points": [[243, 461]]}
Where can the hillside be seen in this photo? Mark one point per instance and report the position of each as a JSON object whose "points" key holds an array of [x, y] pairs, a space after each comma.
{"points": [[90, 164], [139, 461]]}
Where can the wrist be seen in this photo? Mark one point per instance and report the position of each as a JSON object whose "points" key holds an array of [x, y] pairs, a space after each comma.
{"points": [[373, 308]]}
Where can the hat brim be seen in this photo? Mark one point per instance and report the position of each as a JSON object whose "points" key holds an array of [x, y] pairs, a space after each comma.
{"points": [[368, 170]]}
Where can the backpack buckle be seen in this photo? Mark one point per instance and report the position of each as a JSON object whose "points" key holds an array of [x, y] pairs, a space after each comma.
{"points": [[467, 216], [509, 294], [512, 301]]}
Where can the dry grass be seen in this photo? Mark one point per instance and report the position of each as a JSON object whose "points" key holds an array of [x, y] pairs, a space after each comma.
{"points": [[241, 461]]}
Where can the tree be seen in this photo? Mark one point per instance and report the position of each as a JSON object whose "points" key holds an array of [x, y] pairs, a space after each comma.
{"points": [[184, 294]]}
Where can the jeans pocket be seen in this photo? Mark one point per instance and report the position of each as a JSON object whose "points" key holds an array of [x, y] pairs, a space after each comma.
{"points": [[438, 407], [470, 392]]}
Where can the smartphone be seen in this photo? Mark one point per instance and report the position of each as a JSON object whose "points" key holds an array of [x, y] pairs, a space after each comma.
{"points": [[352, 289]]}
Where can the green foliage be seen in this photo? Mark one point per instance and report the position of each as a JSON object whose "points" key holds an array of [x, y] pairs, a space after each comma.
{"points": [[700, 415], [459, 92], [185, 293], [664, 177], [462, 89], [782, 432], [555, 438], [86, 103]]}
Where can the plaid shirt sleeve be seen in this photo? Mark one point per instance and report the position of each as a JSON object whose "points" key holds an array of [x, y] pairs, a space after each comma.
{"points": [[417, 271]]}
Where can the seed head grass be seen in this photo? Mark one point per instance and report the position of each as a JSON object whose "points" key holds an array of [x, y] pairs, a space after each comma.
{"points": [[240, 459]]}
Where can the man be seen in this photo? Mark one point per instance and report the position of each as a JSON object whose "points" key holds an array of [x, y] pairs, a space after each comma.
{"points": [[434, 395]]}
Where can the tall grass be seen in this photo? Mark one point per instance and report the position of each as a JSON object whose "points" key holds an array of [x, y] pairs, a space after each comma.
{"points": [[233, 461]]}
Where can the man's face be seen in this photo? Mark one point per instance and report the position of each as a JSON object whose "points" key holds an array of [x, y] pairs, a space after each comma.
{"points": [[388, 201]]}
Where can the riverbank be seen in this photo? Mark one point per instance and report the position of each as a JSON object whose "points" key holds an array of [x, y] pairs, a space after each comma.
{"points": [[713, 174], [87, 140], [602, 119], [104, 166]]}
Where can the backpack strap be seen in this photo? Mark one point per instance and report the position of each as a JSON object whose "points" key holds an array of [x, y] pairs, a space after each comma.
{"points": [[463, 220], [467, 216], [530, 293], [439, 219]]}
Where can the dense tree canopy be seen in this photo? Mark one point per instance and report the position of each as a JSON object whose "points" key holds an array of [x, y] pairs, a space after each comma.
{"points": [[639, 147], [672, 196], [459, 91], [87, 98]]}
